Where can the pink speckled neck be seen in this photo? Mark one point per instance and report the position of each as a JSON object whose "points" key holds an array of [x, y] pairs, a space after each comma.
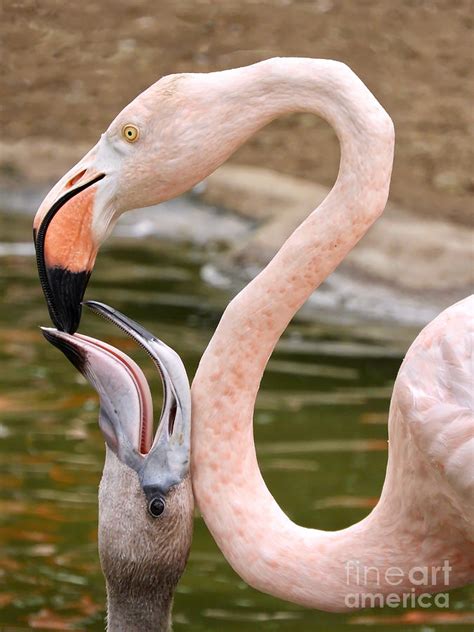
{"points": [[268, 551]]}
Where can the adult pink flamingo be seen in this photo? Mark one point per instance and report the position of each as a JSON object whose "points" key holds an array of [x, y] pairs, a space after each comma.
{"points": [[165, 141]]}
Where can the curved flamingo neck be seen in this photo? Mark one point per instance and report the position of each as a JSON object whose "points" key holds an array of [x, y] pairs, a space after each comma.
{"points": [[260, 542]]}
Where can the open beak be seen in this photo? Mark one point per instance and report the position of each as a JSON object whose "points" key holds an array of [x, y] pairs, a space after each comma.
{"points": [[126, 417], [65, 245]]}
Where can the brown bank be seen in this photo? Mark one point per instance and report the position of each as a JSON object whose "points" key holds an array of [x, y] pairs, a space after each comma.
{"points": [[69, 67]]}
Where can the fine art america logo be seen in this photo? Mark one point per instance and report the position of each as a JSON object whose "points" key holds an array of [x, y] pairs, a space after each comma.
{"points": [[368, 581]]}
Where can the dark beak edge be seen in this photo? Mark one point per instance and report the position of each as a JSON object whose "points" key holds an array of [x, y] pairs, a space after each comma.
{"points": [[62, 289]]}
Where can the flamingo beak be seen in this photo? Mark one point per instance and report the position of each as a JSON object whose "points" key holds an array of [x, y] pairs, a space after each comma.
{"points": [[65, 245], [126, 417], [167, 462]]}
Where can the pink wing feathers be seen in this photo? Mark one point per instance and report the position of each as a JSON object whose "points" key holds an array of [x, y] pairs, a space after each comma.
{"points": [[435, 394]]}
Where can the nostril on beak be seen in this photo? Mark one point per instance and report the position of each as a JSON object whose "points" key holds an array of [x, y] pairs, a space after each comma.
{"points": [[70, 183]]}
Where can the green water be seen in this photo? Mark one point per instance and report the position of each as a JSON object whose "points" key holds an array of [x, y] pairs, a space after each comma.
{"points": [[320, 430]]}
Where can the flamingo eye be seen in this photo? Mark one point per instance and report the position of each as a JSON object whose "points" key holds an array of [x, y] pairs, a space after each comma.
{"points": [[156, 506], [130, 132]]}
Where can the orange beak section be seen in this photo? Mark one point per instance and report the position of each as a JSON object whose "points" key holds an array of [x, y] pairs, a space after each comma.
{"points": [[65, 248]]}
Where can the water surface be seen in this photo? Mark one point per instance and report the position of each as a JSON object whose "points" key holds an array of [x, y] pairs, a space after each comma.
{"points": [[320, 428]]}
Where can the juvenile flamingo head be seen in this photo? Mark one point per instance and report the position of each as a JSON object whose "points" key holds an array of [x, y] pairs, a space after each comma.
{"points": [[126, 411], [145, 498]]}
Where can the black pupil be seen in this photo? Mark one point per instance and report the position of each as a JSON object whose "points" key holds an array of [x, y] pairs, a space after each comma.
{"points": [[156, 507]]}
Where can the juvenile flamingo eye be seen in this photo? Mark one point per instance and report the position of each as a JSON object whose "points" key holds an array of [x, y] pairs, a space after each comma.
{"points": [[156, 506], [130, 132]]}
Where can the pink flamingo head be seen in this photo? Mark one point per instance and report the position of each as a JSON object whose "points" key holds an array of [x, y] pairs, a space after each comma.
{"points": [[157, 147]]}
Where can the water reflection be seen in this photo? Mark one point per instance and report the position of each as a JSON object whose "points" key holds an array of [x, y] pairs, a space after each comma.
{"points": [[319, 429]]}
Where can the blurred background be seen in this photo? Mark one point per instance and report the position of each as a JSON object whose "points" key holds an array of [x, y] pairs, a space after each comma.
{"points": [[320, 426]]}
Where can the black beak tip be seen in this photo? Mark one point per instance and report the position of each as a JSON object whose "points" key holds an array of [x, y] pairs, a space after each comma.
{"points": [[65, 302], [73, 353]]}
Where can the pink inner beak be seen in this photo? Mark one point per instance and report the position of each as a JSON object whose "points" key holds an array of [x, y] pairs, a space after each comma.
{"points": [[97, 350]]}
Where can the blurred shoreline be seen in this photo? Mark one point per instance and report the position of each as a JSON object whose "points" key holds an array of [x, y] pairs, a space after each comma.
{"points": [[405, 271]]}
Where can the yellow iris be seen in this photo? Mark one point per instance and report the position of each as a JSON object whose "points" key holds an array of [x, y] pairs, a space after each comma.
{"points": [[130, 132]]}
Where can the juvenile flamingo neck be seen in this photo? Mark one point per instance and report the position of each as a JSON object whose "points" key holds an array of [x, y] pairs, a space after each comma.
{"points": [[261, 543]]}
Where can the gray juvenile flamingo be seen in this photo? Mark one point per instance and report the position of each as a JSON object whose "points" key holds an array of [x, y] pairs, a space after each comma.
{"points": [[145, 496], [165, 141]]}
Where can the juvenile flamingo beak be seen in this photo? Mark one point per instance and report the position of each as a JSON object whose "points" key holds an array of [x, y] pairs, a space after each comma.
{"points": [[126, 413], [65, 245]]}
